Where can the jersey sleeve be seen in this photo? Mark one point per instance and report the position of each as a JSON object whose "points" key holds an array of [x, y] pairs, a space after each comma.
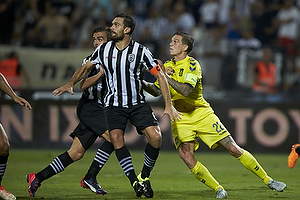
{"points": [[95, 56], [150, 63], [85, 60], [192, 73]]}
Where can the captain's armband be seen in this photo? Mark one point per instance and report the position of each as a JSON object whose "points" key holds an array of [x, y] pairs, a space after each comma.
{"points": [[155, 70], [191, 79]]}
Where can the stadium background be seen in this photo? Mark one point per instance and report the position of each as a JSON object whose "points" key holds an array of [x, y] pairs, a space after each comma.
{"points": [[267, 125]]}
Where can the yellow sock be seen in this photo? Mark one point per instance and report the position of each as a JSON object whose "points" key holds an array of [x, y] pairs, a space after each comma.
{"points": [[203, 175], [252, 165]]}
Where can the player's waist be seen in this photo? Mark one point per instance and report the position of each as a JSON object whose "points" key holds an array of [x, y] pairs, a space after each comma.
{"points": [[183, 106]]}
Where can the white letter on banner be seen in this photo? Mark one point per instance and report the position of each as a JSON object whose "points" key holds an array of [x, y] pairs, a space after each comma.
{"points": [[258, 127], [70, 114], [295, 114], [8, 117], [240, 116]]}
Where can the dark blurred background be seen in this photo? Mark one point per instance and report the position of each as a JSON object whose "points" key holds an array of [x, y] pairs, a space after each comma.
{"points": [[233, 39]]}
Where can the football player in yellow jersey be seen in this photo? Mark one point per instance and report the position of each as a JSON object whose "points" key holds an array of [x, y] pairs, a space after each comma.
{"points": [[199, 120]]}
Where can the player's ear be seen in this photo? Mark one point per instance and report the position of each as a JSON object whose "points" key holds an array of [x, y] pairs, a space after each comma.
{"points": [[185, 47], [127, 30]]}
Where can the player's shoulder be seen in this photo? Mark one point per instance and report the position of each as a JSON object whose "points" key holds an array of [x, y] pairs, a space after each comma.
{"points": [[192, 62], [191, 59], [85, 60]]}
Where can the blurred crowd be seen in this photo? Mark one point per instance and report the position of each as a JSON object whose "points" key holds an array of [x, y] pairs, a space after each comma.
{"points": [[230, 35]]}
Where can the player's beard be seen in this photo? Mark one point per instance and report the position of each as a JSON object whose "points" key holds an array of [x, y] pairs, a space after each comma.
{"points": [[117, 37]]}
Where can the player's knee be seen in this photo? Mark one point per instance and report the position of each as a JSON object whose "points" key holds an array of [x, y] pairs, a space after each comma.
{"points": [[155, 140]]}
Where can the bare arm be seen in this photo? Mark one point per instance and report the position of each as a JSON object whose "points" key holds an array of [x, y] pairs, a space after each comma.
{"points": [[78, 75], [9, 91], [88, 82], [151, 88], [165, 91], [183, 88]]}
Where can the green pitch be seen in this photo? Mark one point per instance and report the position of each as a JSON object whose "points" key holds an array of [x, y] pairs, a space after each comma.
{"points": [[170, 178]]}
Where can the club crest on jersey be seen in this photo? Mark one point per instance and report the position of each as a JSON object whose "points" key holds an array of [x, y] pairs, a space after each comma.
{"points": [[131, 57]]}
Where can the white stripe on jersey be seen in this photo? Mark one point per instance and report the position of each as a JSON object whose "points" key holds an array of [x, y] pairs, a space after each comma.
{"points": [[123, 72], [93, 92]]}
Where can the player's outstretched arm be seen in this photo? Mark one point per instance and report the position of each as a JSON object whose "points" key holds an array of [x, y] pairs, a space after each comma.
{"points": [[5, 87], [165, 91], [77, 76], [88, 82]]}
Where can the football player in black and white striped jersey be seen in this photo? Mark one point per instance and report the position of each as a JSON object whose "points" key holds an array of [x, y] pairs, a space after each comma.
{"points": [[122, 61], [91, 126]]}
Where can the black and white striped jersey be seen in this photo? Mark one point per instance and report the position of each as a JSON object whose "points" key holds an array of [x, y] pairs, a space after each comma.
{"points": [[95, 92], [123, 72]]}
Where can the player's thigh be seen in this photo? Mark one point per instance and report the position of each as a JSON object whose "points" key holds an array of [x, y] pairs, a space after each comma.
{"points": [[184, 131], [116, 118], [142, 116], [91, 115], [84, 135], [211, 130]]}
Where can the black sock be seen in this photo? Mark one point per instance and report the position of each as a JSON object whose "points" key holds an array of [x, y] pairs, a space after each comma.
{"points": [[125, 161], [100, 159], [57, 165], [151, 155], [3, 164]]}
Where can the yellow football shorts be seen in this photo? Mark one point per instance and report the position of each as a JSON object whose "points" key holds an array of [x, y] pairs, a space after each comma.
{"points": [[202, 123]]}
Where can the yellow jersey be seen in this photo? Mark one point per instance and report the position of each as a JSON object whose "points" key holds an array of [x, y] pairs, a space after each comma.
{"points": [[187, 71]]}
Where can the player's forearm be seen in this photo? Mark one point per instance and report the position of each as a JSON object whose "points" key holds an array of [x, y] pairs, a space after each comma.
{"points": [[165, 91], [79, 74], [88, 82], [5, 87], [182, 88], [151, 88]]}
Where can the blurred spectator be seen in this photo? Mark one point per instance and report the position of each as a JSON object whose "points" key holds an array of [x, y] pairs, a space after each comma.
{"points": [[243, 9], [165, 42], [288, 18], [54, 29], [262, 22], [250, 43], [258, 21], [185, 20], [140, 8], [292, 78], [156, 24], [214, 50], [248, 51], [104, 11], [264, 76], [209, 12], [7, 17], [224, 12], [31, 12], [68, 8], [233, 30], [13, 71]]}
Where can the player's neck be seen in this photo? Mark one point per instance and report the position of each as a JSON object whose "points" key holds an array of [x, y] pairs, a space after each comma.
{"points": [[179, 57], [122, 44]]}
